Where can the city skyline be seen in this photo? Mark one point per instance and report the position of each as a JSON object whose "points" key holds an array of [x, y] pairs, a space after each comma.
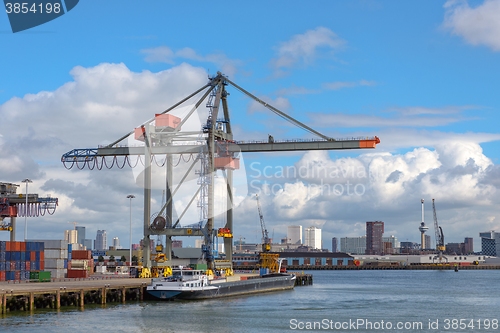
{"points": [[425, 89]]}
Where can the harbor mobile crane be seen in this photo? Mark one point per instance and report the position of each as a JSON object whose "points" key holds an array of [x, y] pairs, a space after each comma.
{"points": [[440, 247], [267, 260], [266, 241]]}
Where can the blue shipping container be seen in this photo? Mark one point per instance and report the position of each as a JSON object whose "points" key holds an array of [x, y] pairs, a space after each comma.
{"points": [[37, 255], [3, 245], [2, 266], [3, 255], [10, 275], [15, 256], [23, 256], [18, 265]]}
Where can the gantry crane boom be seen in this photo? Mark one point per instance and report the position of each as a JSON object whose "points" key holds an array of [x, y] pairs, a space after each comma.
{"points": [[266, 242], [214, 148]]}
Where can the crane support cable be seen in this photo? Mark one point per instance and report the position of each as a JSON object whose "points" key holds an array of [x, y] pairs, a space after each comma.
{"points": [[167, 110], [280, 113]]}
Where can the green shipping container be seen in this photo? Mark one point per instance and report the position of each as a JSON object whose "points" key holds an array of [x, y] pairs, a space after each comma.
{"points": [[34, 276], [44, 276], [202, 267]]}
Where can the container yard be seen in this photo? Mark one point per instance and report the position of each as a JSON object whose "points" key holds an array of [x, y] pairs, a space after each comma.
{"points": [[21, 261]]}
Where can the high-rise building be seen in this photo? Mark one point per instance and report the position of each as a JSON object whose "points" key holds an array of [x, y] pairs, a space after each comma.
{"points": [[71, 236], [81, 235], [353, 245], [88, 244], [374, 232], [428, 242], [490, 243], [313, 237], [101, 241], [391, 243], [294, 234], [334, 244], [116, 243], [176, 244], [198, 242], [468, 245]]}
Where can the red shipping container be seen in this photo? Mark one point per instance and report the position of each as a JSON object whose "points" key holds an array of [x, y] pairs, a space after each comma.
{"points": [[22, 246], [42, 256], [12, 266], [32, 256], [81, 254], [91, 266], [28, 266], [17, 275], [42, 265], [8, 245], [2, 276], [77, 273]]}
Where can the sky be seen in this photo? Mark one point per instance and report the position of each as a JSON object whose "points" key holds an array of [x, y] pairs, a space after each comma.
{"points": [[422, 76]]}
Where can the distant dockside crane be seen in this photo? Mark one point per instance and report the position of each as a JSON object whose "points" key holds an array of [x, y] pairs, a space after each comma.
{"points": [[440, 247], [266, 241]]}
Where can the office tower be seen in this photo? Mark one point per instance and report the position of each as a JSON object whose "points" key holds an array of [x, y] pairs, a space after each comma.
{"points": [[374, 232], [294, 234], [313, 237]]}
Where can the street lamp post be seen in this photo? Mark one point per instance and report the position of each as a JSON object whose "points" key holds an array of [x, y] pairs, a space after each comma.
{"points": [[26, 209], [130, 196]]}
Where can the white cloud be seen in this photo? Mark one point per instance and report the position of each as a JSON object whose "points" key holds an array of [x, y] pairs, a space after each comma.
{"points": [[304, 48], [104, 102], [280, 103], [478, 26], [406, 116], [347, 84], [384, 186], [341, 120], [100, 105], [295, 90], [418, 110], [165, 54], [159, 54]]}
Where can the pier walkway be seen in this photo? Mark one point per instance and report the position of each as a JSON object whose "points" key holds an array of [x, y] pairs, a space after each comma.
{"points": [[28, 296]]}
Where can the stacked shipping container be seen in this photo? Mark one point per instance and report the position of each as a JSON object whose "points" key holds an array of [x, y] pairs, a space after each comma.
{"points": [[19, 259], [56, 257], [81, 264]]}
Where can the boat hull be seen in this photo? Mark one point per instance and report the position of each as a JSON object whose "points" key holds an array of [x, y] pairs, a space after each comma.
{"points": [[228, 289]]}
